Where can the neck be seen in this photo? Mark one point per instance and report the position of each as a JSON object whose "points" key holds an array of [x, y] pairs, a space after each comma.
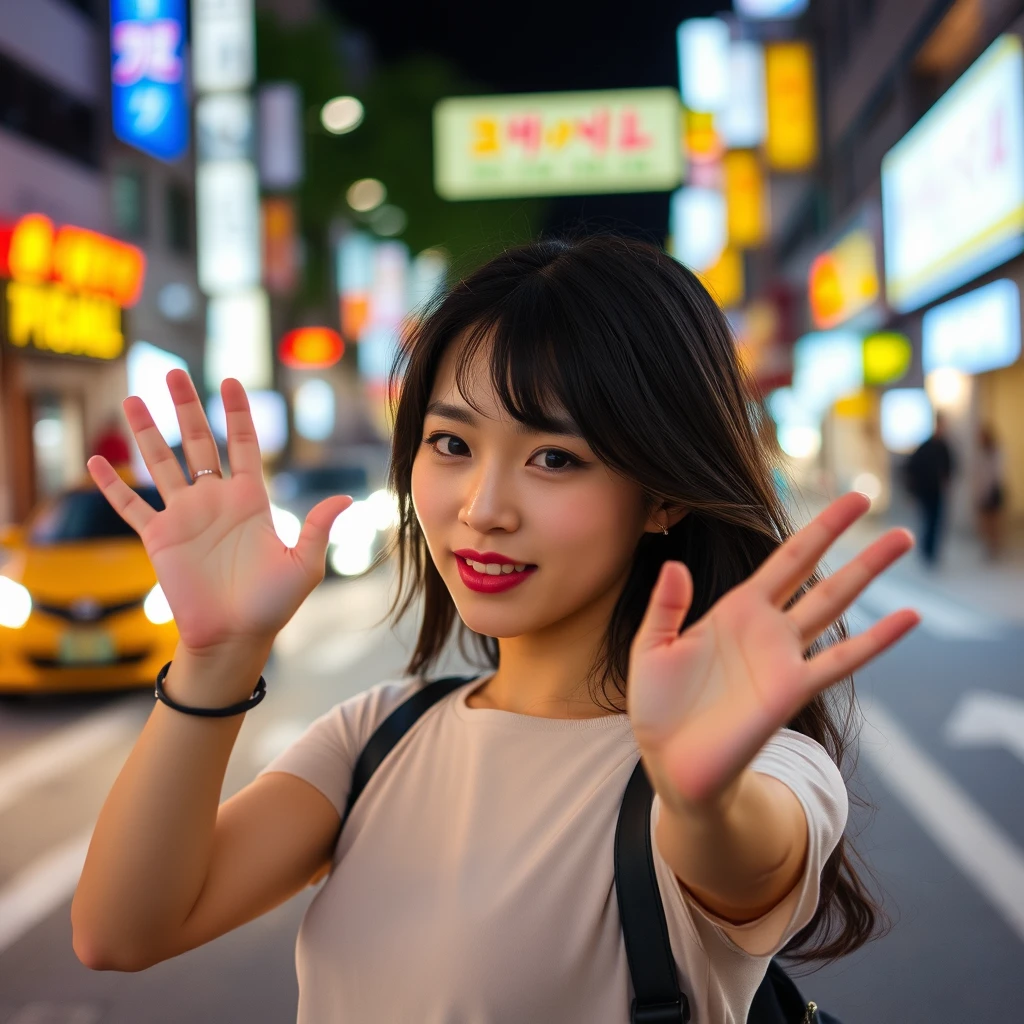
{"points": [[546, 673]]}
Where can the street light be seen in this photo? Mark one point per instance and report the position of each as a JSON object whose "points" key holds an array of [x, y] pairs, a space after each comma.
{"points": [[341, 115], [366, 194]]}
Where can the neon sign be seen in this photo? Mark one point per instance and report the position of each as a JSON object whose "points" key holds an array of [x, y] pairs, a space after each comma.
{"points": [[557, 143], [148, 102], [68, 287]]}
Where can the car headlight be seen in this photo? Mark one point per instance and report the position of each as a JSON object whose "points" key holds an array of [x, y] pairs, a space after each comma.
{"points": [[15, 604], [157, 610]]}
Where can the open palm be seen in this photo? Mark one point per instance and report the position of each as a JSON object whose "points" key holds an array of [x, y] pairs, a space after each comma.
{"points": [[226, 575], [703, 702]]}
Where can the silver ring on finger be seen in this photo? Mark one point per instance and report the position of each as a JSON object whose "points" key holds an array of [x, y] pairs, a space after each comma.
{"points": [[204, 472]]}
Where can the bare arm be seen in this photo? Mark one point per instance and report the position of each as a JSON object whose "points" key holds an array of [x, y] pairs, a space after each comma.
{"points": [[167, 869], [741, 855]]}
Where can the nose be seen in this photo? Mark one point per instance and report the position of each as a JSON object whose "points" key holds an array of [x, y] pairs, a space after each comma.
{"points": [[490, 501]]}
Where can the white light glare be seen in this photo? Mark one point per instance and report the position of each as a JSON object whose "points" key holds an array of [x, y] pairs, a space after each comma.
{"points": [[383, 509], [286, 525], [15, 604], [868, 484], [800, 442], [366, 194], [948, 389], [341, 115], [157, 610]]}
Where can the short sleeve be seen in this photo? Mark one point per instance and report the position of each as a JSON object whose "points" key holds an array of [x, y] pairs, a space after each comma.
{"points": [[326, 753], [803, 765]]}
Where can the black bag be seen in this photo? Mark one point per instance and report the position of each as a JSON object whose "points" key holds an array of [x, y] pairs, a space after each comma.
{"points": [[652, 967]]}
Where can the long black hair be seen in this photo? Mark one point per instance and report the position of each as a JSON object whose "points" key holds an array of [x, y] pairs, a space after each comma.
{"points": [[631, 345]]}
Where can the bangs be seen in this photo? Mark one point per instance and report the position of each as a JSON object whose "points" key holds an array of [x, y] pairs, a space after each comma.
{"points": [[529, 355]]}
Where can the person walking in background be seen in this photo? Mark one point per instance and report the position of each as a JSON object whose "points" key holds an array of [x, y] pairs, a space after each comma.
{"points": [[990, 491], [928, 474]]}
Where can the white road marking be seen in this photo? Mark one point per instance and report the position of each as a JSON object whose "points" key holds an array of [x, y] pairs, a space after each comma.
{"points": [[986, 719], [63, 750], [975, 844], [939, 616], [39, 889]]}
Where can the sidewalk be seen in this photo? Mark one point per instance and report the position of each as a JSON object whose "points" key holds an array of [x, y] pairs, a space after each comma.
{"points": [[963, 578]]}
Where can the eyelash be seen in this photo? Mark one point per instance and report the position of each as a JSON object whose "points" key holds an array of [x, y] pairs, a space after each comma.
{"points": [[432, 440]]}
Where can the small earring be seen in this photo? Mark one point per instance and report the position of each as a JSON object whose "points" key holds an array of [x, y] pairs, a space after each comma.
{"points": [[664, 530]]}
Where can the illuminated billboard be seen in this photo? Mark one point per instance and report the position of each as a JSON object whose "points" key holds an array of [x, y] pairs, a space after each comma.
{"points": [[953, 187], [770, 8], [568, 143], [147, 76], [792, 140], [975, 332]]}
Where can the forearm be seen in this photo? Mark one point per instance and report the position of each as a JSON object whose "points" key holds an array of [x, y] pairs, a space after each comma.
{"points": [[152, 843], [740, 854]]}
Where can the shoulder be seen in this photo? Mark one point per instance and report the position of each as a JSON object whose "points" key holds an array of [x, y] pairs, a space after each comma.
{"points": [[805, 766]]}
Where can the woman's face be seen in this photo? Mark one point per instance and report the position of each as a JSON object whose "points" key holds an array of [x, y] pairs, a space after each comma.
{"points": [[536, 499]]}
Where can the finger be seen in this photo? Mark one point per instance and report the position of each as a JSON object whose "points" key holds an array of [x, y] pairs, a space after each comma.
{"points": [[840, 660], [243, 447], [311, 548], [667, 607], [129, 505], [788, 568], [160, 461], [816, 610], [196, 436]]}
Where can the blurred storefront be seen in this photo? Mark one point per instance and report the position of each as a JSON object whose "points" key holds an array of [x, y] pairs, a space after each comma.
{"points": [[62, 368]]}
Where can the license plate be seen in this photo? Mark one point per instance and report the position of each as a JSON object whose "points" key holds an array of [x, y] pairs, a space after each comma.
{"points": [[86, 647]]}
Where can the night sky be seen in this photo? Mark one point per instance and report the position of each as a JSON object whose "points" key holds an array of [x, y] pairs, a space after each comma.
{"points": [[546, 45]]}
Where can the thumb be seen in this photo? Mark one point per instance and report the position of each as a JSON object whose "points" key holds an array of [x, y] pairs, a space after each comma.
{"points": [[669, 602], [311, 548]]}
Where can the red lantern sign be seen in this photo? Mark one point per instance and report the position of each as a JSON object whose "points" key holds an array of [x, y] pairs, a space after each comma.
{"points": [[311, 348]]}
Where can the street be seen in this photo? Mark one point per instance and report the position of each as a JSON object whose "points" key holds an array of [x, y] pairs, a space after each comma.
{"points": [[940, 760]]}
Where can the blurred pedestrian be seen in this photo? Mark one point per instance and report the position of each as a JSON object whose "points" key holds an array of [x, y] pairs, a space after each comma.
{"points": [[112, 444], [990, 491], [928, 474]]}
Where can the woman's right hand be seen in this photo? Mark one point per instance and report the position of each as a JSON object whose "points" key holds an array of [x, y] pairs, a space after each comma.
{"points": [[228, 578]]}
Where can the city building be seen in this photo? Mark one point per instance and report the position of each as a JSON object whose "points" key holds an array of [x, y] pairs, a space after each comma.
{"points": [[80, 206]]}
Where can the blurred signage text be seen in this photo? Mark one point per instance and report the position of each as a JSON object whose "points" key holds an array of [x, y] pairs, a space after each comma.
{"points": [[953, 187], [557, 144], [148, 101], [844, 280], [223, 45], [67, 287]]}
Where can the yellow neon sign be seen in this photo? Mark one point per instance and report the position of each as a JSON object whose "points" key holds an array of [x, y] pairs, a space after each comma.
{"points": [[50, 318], [792, 141]]}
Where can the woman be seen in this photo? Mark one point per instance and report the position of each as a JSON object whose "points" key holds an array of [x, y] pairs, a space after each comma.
{"points": [[581, 474]]}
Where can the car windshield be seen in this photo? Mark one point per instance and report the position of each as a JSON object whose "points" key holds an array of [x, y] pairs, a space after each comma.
{"points": [[84, 515]]}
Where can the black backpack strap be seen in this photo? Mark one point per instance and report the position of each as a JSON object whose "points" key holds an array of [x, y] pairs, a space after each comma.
{"points": [[645, 931], [644, 928], [393, 728]]}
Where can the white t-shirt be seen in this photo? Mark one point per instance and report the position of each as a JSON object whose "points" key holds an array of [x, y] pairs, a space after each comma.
{"points": [[473, 882]]}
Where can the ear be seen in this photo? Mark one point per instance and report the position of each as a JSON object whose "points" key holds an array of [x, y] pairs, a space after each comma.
{"points": [[665, 514]]}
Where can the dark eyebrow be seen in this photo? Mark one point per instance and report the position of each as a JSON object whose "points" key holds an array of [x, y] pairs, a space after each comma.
{"points": [[562, 425]]}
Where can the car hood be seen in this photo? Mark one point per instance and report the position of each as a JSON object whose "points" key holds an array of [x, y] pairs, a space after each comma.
{"points": [[106, 570]]}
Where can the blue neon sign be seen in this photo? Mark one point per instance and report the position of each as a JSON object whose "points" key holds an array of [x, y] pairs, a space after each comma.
{"points": [[147, 74]]}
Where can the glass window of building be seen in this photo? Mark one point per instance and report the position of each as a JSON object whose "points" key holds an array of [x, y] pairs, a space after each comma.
{"points": [[128, 202], [179, 218]]}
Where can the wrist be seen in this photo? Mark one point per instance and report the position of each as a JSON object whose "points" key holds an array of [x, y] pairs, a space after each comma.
{"points": [[216, 677]]}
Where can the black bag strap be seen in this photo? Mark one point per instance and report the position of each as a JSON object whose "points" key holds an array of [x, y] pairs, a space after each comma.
{"points": [[644, 928], [658, 998], [393, 728]]}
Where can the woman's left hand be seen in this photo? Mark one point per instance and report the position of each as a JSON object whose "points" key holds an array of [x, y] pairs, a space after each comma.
{"points": [[703, 702]]}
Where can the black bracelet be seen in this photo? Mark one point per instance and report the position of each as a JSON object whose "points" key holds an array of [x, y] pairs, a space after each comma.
{"points": [[235, 709]]}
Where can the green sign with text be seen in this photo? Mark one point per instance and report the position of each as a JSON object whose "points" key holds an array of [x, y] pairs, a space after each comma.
{"points": [[563, 143]]}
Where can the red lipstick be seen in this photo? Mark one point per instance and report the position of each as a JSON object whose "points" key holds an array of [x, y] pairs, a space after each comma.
{"points": [[485, 583]]}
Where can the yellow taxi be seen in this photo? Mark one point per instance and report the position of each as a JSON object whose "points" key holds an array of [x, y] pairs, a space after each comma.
{"points": [[80, 606]]}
